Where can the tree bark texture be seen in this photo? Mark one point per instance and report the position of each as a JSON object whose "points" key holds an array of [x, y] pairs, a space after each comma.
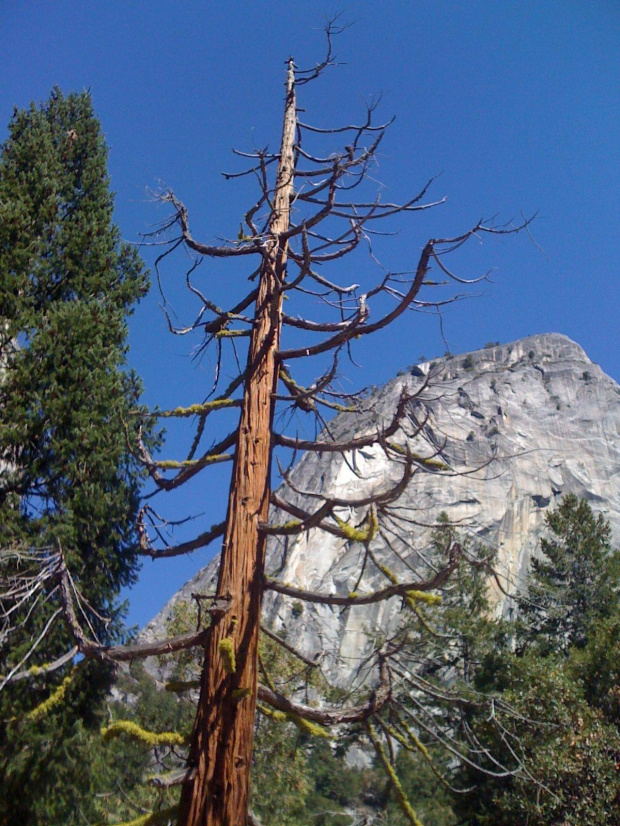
{"points": [[221, 747]]}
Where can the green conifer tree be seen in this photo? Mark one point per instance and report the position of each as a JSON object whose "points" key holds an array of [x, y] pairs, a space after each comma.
{"points": [[574, 583], [67, 477], [562, 683]]}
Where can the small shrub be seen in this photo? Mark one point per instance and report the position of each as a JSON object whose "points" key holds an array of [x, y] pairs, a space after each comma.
{"points": [[468, 363]]}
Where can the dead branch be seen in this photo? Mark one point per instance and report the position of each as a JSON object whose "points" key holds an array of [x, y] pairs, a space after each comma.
{"points": [[127, 653], [390, 494], [352, 444], [334, 716], [397, 590], [288, 647], [361, 329], [48, 668], [205, 249], [301, 515], [200, 541], [187, 468], [170, 779]]}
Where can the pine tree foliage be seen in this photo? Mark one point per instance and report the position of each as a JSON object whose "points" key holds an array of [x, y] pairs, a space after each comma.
{"points": [[568, 749], [67, 477], [560, 677], [574, 582]]}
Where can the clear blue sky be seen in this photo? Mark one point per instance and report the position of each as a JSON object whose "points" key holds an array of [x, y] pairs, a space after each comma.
{"points": [[515, 102]]}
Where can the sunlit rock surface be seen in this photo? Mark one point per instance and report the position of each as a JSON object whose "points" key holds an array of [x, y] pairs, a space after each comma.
{"points": [[521, 424]]}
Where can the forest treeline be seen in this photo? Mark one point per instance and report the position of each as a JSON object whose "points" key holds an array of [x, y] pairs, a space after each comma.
{"points": [[553, 673]]}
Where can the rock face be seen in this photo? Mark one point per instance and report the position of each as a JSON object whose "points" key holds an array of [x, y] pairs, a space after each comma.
{"points": [[519, 425]]}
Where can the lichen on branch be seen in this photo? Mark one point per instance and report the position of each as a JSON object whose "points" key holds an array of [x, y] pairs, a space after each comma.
{"points": [[136, 732]]}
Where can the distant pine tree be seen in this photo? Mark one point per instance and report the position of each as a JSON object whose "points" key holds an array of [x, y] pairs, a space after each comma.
{"points": [[574, 583], [561, 682], [67, 284]]}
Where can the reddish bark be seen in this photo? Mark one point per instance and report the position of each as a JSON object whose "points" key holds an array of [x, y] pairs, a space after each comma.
{"points": [[221, 747]]}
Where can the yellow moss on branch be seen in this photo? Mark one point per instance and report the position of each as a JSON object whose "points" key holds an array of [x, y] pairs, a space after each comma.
{"points": [[286, 377], [227, 653], [341, 408], [425, 461], [241, 693], [431, 464], [286, 526], [175, 464], [176, 686], [389, 574], [151, 818], [197, 409], [423, 750], [280, 716], [232, 333], [424, 596], [413, 597], [55, 699], [136, 732], [424, 622], [306, 726], [373, 524], [412, 741], [34, 670], [403, 801], [409, 741], [365, 533]]}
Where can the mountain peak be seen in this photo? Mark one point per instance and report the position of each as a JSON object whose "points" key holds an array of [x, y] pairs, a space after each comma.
{"points": [[542, 347], [518, 424]]}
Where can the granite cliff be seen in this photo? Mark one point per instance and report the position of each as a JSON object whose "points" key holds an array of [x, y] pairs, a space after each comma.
{"points": [[520, 424]]}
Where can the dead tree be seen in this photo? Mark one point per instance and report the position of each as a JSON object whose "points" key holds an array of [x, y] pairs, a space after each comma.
{"points": [[305, 217], [290, 249]]}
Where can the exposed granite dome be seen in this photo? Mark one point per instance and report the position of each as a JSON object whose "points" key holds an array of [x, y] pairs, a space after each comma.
{"points": [[547, 416]]}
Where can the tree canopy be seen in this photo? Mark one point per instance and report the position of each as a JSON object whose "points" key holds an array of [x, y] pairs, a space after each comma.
{"points": [[573, 583], [554, 667], [69, 484]]}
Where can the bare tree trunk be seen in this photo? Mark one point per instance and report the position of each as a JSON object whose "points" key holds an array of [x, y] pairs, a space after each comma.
{"points": [[221, 748]]}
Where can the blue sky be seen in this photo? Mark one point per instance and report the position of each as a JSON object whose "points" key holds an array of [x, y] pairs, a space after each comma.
{"points": [[516, 104]]}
